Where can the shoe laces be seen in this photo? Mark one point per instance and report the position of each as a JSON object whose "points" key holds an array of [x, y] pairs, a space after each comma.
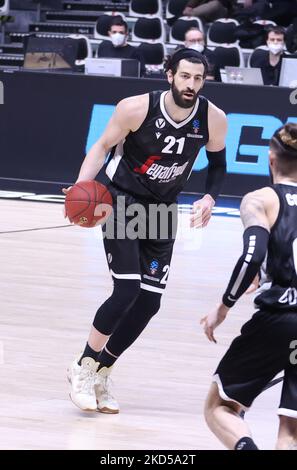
{"points": [[104, 384], [86, 381]]}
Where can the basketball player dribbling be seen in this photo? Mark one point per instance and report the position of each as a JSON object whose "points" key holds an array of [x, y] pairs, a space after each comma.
{"points": [[155, 139], [266, 344]]}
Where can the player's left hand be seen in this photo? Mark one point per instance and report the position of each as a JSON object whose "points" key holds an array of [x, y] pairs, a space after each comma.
{"points": [[201, 212], [213, 320]]}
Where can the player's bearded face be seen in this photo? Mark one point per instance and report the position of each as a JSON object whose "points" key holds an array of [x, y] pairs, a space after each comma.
{"points": [[185, 98]]}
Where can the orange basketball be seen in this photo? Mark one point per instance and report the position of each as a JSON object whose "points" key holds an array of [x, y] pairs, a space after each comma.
{"points": [[88, 203]]}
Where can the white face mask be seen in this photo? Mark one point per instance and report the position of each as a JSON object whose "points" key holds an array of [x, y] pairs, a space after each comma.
{"points": [[275, 48], [197, 46], [118, 39]]}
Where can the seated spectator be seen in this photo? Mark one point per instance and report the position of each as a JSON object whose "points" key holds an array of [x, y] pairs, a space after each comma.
{"points": [[117, 47], [279, 11], [270, 63], [195, 39], [209, 10]]}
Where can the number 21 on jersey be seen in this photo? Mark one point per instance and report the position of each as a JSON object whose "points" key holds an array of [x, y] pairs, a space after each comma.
{"points": [[172, 141]]}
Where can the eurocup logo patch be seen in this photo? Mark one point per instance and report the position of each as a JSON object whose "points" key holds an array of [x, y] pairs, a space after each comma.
{"points": [[160, 123], [196, 125], [154, 267]]}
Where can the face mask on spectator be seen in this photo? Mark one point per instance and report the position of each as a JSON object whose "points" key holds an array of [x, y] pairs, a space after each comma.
{"points": [[275, 48], [118, 39], [197, 46]]}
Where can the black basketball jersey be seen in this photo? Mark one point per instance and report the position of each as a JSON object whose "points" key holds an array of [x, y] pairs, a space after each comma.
{"points": [[281, 263], [155, 161]]}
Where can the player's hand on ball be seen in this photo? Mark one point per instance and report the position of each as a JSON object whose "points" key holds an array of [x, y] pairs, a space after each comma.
{"points": [[201, 212], [65, 191]]}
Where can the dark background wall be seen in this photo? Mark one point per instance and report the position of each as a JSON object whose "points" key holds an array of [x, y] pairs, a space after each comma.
{"points": [[45, 124]]}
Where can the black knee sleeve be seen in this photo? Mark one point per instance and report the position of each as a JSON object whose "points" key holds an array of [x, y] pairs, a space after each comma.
{"points": [[150, 304], [134, 322], [125, 293]]}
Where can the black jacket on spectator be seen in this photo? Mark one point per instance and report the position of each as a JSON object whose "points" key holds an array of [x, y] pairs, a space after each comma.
{"points": [[213, 70], [270, 74], [107, 49]]}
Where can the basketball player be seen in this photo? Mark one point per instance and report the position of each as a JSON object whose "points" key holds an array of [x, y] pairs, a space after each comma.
{"points": [[155, 139], [265, 345]]}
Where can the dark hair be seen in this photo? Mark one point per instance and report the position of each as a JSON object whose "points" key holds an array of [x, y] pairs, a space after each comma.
{"points": [[194, 28], [284, 144], [190, 55], [276, 30], [118, 21]]}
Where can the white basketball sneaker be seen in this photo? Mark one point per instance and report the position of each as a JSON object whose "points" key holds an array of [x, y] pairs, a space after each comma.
{"points": [[106, 403], [82, 380]]}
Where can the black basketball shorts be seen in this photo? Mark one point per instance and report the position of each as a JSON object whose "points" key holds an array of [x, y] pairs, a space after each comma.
{"points": [[135, 248], [266, 346]]}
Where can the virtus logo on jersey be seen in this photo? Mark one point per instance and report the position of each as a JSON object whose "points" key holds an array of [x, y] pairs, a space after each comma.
{"points": [[160, 123]]}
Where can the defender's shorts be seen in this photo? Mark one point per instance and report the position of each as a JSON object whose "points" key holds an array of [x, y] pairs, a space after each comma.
{"points": [[267, 345]]}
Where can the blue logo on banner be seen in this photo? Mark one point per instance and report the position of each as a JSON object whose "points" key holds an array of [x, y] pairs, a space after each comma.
{"points": [[101, 114], [259, 153]]}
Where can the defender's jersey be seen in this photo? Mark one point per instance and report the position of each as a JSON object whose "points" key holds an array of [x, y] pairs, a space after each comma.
{"points": [[282, 255], [155, 161]]}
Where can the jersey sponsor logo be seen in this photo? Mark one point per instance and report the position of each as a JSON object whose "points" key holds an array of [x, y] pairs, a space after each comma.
{"points": [[195, 136], [147, 164], [166, 173], [160, 123], [158, 134], [160, 172], [291, 199]]}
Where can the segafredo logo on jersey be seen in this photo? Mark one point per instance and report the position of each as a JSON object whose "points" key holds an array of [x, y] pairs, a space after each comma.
{"points": [[160, 172], [165, 173], [160, 123]]}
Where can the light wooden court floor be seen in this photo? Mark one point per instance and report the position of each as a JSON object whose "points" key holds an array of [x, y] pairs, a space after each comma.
{"points": [[52, 282]]}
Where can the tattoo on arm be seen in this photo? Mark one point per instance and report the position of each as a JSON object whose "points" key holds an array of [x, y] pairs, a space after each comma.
{"points": [[252, 212]]}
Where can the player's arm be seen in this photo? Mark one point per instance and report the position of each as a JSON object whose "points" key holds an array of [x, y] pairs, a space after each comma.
{"points": [[255, 244], [216, 154], [128, 116], [216, 151]]}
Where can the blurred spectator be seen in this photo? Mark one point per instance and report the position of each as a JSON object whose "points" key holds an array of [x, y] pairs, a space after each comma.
{"points": [[209, 10], [270, 61], [117, 47], [279, 11], [195, 39], [291, 37]]}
